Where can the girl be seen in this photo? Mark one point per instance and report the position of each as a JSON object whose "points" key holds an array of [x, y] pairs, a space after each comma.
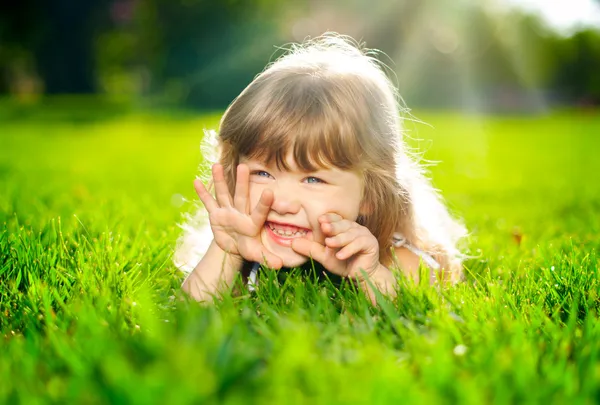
{"points": [[312, 165]]}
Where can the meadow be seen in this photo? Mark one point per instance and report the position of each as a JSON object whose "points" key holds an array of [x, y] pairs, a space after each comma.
{"points": [[91, 310]]}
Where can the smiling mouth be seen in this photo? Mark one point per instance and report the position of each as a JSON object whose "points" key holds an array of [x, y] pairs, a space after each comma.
{"points": [[286, 231]]}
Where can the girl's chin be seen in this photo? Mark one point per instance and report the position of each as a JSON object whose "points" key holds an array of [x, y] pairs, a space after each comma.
{"points": [[296, 261], [287, 254]]}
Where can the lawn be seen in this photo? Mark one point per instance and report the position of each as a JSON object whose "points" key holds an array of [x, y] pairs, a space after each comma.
{"points": [[91, 310]]}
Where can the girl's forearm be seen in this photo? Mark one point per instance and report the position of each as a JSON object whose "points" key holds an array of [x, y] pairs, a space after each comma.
{"points": [[215, 273]]}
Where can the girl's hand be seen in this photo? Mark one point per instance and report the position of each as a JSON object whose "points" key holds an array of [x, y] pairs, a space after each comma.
{"points": [[349, 247], [237, 230]]}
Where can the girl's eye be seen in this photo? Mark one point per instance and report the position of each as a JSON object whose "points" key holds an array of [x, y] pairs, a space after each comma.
{"points": [[309, 179], [261, 173], [314, 180]]}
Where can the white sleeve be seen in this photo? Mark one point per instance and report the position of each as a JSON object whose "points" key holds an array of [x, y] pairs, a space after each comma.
{"points": [[194, 241], [197, 235], [400, 241]]}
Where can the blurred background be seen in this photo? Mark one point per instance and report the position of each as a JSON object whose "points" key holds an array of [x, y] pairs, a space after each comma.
{"points": [[469, 55]]}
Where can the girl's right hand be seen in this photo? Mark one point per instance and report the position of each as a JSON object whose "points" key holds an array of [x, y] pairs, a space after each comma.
{"points": [[237, 230]]}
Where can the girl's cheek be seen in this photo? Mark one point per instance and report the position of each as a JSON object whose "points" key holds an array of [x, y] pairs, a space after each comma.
{"points": [[313, 212], [322, 207], [255, 191]]}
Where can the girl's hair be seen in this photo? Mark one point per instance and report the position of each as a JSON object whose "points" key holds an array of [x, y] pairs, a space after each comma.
{"points": [[329, 103]]}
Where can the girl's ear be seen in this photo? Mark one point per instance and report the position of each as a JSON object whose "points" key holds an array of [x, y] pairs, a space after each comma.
{"points": [[365, 208]]}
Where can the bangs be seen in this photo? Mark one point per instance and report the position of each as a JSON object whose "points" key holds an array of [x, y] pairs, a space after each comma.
{"points": [[306, 122]]}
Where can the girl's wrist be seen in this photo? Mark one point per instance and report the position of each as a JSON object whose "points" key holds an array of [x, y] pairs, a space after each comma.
{"points": [[368, 273], [233, 259], [382, 279]]}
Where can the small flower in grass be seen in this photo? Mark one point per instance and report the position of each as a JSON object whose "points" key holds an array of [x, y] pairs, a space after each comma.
{"points": [[460, 350], [456, 317]]}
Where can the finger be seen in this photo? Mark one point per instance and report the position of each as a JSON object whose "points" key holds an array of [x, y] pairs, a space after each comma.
{"points": [[240, 199], [258, 253], [261, 211], [344, 238], [352, 248], [207, 199], [221, 189], [311, 249], [271, 260], [330, 217], [337, 227]]}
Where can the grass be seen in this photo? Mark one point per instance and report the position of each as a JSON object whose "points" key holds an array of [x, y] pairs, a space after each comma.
{"points": [[91, 310]]}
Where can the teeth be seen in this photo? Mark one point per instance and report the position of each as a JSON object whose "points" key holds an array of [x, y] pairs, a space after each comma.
{"points": [[287, 233]]}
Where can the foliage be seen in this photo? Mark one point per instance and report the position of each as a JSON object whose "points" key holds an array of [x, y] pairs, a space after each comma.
{"points": [[200, 53]]}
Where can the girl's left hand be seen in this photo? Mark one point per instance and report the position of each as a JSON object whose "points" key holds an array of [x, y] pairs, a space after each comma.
{"points": [[349, 247]]}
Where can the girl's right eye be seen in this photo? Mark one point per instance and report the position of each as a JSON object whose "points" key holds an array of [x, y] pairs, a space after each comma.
{"points": [[260, 173]]}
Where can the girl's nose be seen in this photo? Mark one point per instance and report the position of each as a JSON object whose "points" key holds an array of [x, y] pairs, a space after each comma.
{"points": [[284, 203]]}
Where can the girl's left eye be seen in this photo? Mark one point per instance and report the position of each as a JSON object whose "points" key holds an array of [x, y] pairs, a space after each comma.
{"points": [[314, 180]]}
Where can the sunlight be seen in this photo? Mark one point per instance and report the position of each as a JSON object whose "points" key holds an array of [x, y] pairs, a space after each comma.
{"points": [[565, 16]]}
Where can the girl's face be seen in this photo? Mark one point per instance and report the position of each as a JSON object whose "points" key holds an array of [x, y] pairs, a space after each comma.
{"points": [[300, 199]]}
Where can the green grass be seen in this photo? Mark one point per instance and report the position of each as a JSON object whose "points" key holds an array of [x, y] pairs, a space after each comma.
{"points": [[91, 312]]}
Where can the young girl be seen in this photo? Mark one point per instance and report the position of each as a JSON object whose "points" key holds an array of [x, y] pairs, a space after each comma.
{"points": [[312, 165]]}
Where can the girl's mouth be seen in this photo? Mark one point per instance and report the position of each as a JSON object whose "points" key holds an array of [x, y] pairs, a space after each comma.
{"points": [[283, 235]]}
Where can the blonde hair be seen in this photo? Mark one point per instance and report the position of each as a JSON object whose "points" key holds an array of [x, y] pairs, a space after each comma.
{"points": [[329, 102]]}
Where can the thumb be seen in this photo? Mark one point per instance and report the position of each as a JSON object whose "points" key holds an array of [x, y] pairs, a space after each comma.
{"points": [[308, 248], [273, 261]]}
